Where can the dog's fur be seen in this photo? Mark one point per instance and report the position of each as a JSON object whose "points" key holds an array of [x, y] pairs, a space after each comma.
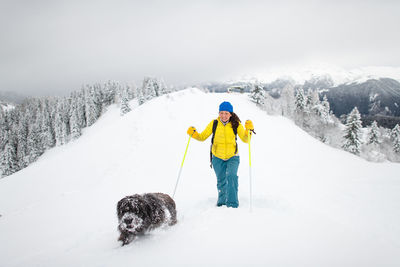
{"points": [[140, 213]]}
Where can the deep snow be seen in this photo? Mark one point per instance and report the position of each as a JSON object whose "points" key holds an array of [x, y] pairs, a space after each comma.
{"points": [[313, 205]]}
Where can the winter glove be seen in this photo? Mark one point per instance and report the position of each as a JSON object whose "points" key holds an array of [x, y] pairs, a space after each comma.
{"points": [[249, 125], [192, 132]]}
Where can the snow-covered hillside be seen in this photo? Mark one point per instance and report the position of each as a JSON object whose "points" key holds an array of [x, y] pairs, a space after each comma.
{"points": [[312, 205]]}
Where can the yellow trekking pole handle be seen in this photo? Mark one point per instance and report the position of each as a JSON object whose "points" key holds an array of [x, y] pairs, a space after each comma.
{"points": [[180, 170]]}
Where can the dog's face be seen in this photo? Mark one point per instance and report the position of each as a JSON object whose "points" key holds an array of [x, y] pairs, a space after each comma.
{"points": [[131, 213], [130, 222]]}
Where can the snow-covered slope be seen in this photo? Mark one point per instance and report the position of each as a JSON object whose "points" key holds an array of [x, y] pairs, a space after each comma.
{"points": [[312, 205]]}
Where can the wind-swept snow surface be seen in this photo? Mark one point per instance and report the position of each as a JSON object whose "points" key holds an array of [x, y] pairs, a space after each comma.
{"points": [[312, 205]]}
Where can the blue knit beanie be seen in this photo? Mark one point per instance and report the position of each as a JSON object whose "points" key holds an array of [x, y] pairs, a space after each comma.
{"points": [[226, 106]]}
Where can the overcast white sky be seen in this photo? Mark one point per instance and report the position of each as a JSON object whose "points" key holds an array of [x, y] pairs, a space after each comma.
{"points": [[50, 46]]}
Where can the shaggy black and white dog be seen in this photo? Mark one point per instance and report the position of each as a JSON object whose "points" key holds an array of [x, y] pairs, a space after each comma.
{"points": [[140, 213]]}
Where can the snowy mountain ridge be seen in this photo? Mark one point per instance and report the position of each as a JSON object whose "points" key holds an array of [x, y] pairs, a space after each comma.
{"points": [[334, 75], [312, 205]]}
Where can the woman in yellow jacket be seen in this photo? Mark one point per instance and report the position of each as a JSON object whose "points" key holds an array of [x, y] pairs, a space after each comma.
{"points": [[225, 156]]}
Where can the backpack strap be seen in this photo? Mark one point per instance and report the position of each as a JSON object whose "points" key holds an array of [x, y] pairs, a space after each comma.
{"points": [[214, 128], [235, 132]]}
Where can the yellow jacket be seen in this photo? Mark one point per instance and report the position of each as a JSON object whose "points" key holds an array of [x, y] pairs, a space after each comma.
{"points": [[224, 139]]}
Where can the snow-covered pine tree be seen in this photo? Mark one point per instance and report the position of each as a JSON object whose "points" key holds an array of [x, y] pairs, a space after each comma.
{"points": [[149, 88], [59, 124], [132, 91], [300, 101], [257, 94], [140, 96], [75, 124], [22, 141], [91, 109], [322, 110], [81, 108], [109, 92], [8, 159], [302, 110], [163, 87], [35, 145], [5, 153], [156, 87], [352, 137], [373, 137], [287, 100], [312, 100], [395, 135], [317, 118], [3, 129], [125, 108], [65, 130], [66, 117], [326, 110], [47, 135]]}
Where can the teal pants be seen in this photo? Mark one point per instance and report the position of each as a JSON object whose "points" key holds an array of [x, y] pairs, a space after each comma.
{"points": [[227, 180]]}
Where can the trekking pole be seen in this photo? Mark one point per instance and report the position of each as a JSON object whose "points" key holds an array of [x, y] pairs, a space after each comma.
{"points": [[180, 170], [249, 133]]}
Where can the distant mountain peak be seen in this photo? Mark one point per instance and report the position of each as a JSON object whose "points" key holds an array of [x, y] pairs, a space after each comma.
{"points": [[331, 74]]}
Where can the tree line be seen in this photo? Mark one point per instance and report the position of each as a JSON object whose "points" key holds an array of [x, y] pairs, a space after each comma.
{"points": [[313, 114], [39, 124]]}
